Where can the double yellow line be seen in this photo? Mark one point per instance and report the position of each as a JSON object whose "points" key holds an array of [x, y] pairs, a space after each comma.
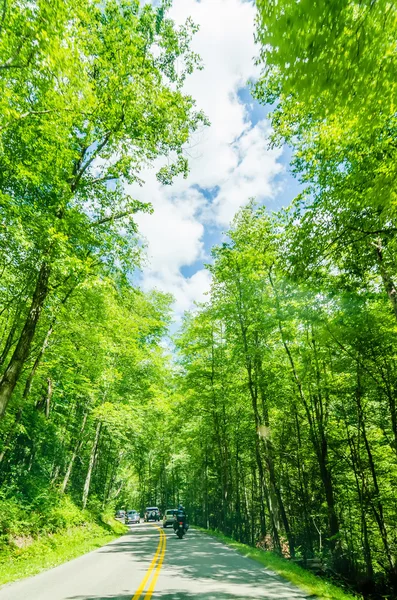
{"points": [[154, 568]]}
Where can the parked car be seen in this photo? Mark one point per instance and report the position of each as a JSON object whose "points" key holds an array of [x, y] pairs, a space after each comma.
{"points": [[169, 517], [133, 517], [152, 513], [120, 515]]}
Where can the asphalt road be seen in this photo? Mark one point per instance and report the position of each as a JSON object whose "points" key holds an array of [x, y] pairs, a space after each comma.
{"points": [[149, 563]]}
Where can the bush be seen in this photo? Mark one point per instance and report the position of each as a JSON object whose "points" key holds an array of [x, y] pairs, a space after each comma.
{"points": [[48, 513], [62, 515], [11, 519]]}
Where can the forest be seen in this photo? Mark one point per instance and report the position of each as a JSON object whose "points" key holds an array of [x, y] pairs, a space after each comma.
{"points": [[273, 416]]}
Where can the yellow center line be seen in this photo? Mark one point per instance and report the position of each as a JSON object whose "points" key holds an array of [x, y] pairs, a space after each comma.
{"points": [[158, 569], [151, 567]]}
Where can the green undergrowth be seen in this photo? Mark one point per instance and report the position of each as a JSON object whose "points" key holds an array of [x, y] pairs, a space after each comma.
{"points": [[311, 584], [31, 544]]}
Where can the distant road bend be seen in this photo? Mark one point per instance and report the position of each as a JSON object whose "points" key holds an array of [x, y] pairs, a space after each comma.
{"points": [[150, 563]]}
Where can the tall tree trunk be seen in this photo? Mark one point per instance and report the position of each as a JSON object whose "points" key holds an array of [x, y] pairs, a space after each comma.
{"points": [[266, 497], [253, 496], [94, 448], [10, 435], [254, 371], [376, 502], [111, 482], [12, 373], [320, 446], [269, 457], [206, 508], [75, 452], [387, 279], [303, 486], [237, 525], [361, 491], [322, 455], [253, 390]]}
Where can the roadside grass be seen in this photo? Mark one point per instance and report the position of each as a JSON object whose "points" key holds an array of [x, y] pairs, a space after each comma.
{"points": [[47, 551], [311, 584]]}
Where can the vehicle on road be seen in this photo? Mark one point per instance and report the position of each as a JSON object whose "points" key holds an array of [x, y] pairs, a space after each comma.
{"points": [[120, 515], [180, 529], [152, 513], [132, 517], [169, 517]]}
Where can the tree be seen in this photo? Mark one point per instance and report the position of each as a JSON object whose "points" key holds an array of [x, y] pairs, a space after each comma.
{"points": [[111, 104], [292, 388], [330, 70]]}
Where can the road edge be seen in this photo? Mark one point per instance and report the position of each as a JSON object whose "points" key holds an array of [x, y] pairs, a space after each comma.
{"points": [[316, 587], [50, 551]]}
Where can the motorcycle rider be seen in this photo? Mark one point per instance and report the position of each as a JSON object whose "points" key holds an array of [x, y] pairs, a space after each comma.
{"points": [[181, 517]]}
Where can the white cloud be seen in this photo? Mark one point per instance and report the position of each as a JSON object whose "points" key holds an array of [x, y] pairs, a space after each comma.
{"points": [[226, 44], [230, 154], [173, 231], [253, 177], [186, 290]]}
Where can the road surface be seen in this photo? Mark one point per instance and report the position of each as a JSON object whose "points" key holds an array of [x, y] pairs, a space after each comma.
{"points": [[150, 563]]}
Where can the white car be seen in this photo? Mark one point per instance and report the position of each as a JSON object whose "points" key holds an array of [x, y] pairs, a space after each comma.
{"points": [[169, 517], [133, 517]]}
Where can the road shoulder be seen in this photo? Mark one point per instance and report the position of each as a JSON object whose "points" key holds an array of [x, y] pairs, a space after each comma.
{"points": [[314, 586], [48, 551]]}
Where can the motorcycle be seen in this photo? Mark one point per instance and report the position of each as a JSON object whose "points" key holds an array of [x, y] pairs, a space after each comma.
{"points": [[180, 528]]}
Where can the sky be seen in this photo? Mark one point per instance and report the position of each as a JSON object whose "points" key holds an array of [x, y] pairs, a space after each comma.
{"points": [[230, 161]]}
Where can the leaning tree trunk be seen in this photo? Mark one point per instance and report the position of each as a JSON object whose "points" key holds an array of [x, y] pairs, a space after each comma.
{"points": [[91, 465], [13, 371], [48, 398], [32, 373], [44, 346], [10, 337]]}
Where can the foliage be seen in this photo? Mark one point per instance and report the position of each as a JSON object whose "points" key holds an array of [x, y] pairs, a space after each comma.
{"points": [[91, 94], [291, 384], [329, 71], [276, 422]]}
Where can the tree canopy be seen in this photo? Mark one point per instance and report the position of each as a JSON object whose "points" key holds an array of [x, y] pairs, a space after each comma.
{"points": [[272, 414]]}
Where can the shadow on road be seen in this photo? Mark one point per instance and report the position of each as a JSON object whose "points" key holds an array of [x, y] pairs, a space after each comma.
{"points": [[201, 568], [198, 562], [128, 597], [188, 596]]}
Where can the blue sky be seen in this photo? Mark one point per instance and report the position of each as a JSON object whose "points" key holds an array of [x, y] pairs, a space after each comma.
{"points": [[230, 161]]}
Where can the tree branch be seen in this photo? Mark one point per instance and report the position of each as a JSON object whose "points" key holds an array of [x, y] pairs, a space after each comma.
{"points": [[120, 215], [83, 168]]}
